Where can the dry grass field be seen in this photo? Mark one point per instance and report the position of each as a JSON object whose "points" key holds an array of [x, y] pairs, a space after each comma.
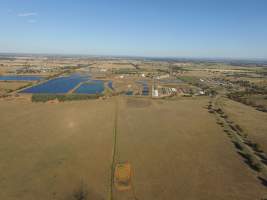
{"points": [[175, 149], [115, 65], [252, 121], [47, 151], [6, 86]]}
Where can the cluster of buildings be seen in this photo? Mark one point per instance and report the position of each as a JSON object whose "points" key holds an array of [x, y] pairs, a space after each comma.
{"points": [[158, 91], [36, 69]]}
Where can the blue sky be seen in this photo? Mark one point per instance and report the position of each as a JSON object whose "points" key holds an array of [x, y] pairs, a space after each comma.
{"points": [[175, 28]]}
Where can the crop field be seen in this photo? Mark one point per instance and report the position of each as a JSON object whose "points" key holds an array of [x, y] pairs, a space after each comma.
{"points": [[174, 147]]}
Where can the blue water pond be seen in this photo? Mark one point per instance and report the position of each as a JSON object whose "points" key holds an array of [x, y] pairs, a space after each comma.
{"points": [[58, 85], [91, 87], [20, 78], [145, 89], [110, 85], [129, 93]]}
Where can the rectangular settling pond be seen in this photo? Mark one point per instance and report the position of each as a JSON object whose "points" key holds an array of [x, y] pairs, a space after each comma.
{"points": [[21, 78], [110, 85], [145, 90], [59, 85], [91, 87], [62, 85]]}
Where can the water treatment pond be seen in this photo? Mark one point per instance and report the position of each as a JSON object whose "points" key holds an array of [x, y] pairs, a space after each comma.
{"points": [[145, 89], [91, 87], [58, 85], [20, 78], [64, 84], [110, 85]]}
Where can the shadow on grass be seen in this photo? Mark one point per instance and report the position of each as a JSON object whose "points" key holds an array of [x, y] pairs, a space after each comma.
{"points": [[84, 193], [248, 160], [263, 181], [264, 161], [263, 158]]}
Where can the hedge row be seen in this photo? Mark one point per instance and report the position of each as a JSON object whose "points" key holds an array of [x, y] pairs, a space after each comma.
{"points": [[67, 97]]}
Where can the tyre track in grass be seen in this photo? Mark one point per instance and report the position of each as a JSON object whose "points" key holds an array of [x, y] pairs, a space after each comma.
{"points": [[114, 152]]}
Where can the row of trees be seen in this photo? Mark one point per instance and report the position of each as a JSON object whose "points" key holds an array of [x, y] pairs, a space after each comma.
{"points": [[242, 98], [61, 98]]}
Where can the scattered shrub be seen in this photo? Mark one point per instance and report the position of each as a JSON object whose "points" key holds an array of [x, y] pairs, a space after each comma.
{"points": [[239, 128], [219, 111], [255, 146], [233, 127], [224, 116], [80, 194], [252, 162], [257, 167], [238, 145]]}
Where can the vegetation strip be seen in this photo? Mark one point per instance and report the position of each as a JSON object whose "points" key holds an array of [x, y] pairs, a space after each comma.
{"points": [[250, 151], [67, 97]]}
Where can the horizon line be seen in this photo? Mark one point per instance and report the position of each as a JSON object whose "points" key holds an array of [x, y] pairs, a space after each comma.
{"points": [[138, 56]]}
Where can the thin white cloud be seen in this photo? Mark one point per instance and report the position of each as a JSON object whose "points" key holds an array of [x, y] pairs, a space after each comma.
{"points": [[27, 14], [32, 21]]}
